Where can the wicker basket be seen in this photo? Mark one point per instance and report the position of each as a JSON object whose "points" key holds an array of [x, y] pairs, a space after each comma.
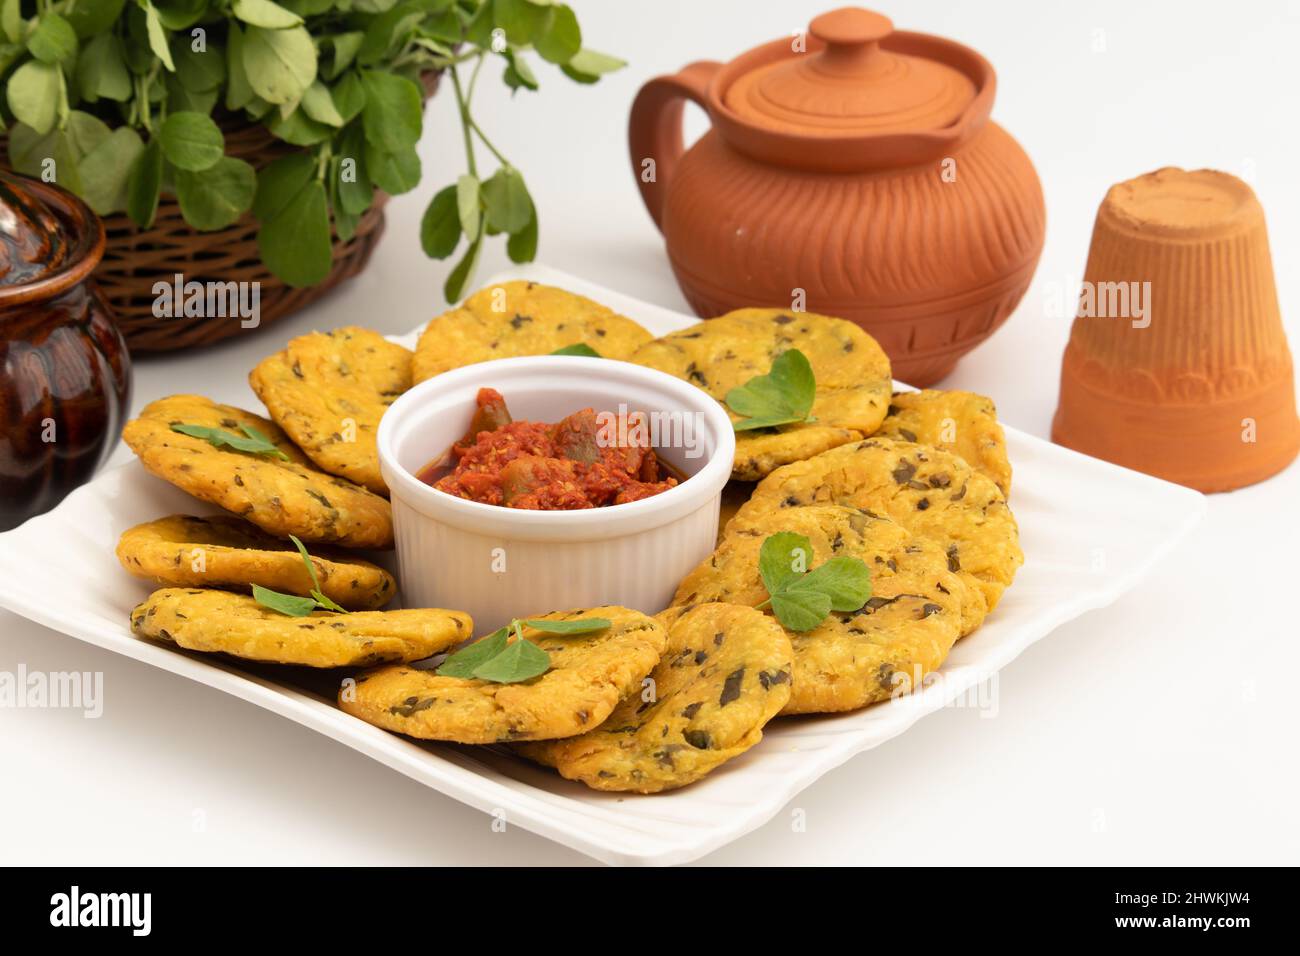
{"points": [[135, 259]]}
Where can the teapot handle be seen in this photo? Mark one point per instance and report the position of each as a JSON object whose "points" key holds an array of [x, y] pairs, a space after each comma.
{"points": [[655, 129]]}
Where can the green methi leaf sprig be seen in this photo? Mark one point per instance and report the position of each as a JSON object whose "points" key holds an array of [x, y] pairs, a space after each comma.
{"points": [[801, 598], [118, 101], [295, 605], [498, 659], [783, 396]]}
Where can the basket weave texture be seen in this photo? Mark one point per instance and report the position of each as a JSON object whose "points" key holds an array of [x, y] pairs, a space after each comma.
{"points": [[136, 259]]}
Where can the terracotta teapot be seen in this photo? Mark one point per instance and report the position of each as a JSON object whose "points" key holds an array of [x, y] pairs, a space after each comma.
{"points": [[852, 172], [64, 371]]}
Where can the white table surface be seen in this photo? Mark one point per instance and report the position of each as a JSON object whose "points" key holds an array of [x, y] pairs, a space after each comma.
{"points": [[1158, 731]]}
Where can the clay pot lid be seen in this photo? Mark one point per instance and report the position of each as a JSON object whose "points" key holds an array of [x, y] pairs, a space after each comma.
{"points": [[1180, 203], [862, 95], [49, 239], [850, 82]]}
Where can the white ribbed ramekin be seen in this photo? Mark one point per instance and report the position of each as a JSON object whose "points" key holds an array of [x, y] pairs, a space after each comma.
{"points": [[497, 563]]}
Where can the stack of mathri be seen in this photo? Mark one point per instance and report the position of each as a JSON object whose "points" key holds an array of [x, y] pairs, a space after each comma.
{"points": [[912, 484]]}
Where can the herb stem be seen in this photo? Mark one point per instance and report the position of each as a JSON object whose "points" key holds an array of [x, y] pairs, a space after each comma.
{"points": [[488, 143], [146, 81], [142, 103], [468, 123], [473, 79], [323, 161], [463, 107]]}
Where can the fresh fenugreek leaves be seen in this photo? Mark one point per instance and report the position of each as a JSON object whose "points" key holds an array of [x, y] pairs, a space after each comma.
{"points": [[292, 604], [783, 396], [251, 441], [801, 599], [498, 659]]}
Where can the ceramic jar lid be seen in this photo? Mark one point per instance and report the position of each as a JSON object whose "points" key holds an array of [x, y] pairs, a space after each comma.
{"points": [[852, 82], [48, 238], [31, 244]]}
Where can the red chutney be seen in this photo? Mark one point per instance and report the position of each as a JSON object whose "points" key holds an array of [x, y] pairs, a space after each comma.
{"points": [[574, 463]]}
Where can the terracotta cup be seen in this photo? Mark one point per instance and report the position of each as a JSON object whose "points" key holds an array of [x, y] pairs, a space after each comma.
{"points": [[852, 171], [1177, 364]]}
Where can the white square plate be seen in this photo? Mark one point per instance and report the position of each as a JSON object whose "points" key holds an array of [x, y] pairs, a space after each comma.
{"points": [[1090, 531]]}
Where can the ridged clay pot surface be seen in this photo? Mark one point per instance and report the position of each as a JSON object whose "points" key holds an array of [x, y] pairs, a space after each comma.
{"points": [[861, 169], [65, 375], [1198, 389]]}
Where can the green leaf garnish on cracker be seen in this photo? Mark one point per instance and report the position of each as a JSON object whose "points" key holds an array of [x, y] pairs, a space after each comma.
{"points": [[783, 396], [578, 348], [580, 625], [251, 441], [497, 659], [292, 604], [802, 599]]}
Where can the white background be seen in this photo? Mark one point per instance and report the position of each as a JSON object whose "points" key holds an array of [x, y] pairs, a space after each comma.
{"points": [[1159, 731]]}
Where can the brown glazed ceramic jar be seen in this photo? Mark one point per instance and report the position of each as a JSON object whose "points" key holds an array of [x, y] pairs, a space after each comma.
{"points": [[857, 164], [64, 371]]}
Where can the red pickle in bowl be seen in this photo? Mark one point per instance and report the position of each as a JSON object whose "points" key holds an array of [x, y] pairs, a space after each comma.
{"points": [[586, 460]]}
